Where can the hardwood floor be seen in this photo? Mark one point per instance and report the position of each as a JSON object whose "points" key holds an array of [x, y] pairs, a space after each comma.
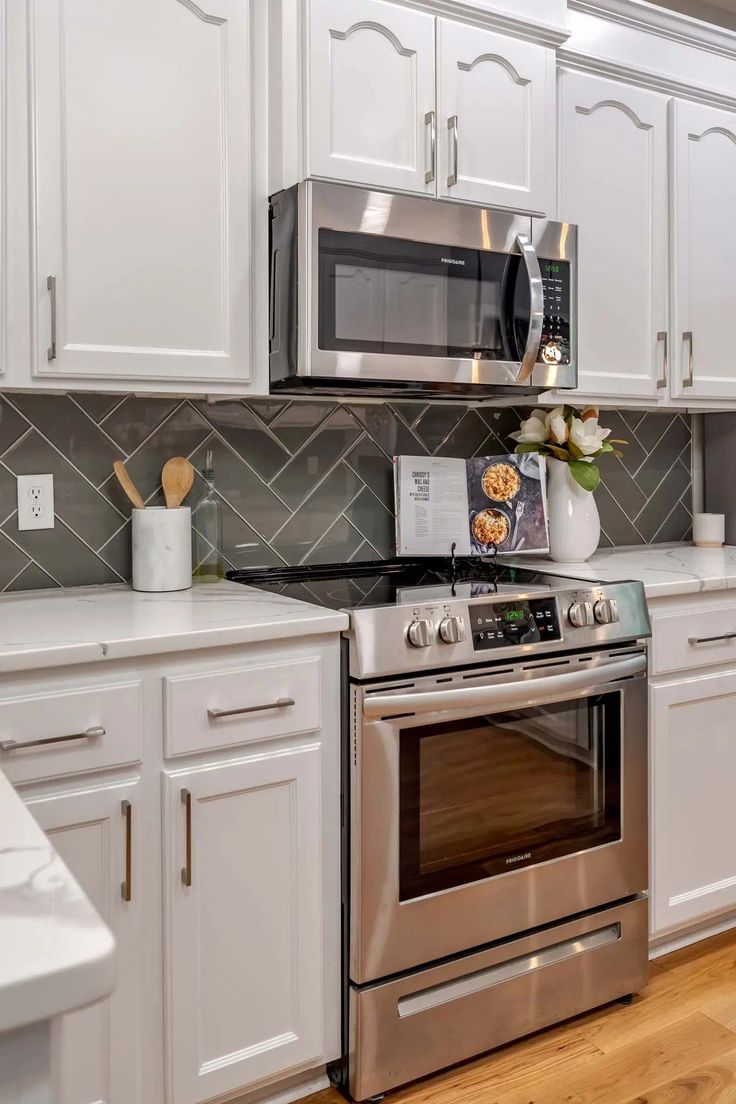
{"points": [[676, 1044]]}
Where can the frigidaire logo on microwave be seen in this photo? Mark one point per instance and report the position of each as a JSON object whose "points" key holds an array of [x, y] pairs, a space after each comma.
{"points": [[519, 858], [451, 260]]}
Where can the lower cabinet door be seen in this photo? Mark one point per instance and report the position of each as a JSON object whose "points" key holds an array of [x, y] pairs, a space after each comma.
{"points": [[97, 1050], [243, 942], [693, 808]]}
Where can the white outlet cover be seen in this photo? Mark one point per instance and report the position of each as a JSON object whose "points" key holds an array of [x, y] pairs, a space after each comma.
{"points": [[35, 502]]}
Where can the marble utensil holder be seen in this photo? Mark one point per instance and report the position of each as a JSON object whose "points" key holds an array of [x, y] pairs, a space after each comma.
{"points": [[162, 549]]}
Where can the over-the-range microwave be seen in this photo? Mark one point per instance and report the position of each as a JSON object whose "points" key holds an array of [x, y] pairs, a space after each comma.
{"points": [[378, 293]]}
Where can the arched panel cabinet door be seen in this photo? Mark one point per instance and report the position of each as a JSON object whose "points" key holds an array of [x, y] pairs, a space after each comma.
{"points": [[705, 251], [496, 119], [142, 191], [613, 184], [371, 94]]}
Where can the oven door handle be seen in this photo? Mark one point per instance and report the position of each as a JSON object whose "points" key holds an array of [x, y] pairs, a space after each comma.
{"points": [[534, 691], [536, 315]]}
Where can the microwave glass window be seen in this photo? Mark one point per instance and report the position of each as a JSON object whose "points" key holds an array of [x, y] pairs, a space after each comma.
{"points": [[487, 795], [385, 295]]}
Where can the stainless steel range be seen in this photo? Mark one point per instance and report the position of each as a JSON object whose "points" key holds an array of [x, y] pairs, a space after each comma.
{"points": [[495, 748]]}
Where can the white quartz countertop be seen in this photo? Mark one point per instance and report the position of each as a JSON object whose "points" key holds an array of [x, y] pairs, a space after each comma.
{"points": [[56, 954], [664, 570], [52, 628]]}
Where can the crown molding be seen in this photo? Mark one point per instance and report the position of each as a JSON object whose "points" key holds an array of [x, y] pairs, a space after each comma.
{"points": [[547, 34], [644, 16], [643, 78]]}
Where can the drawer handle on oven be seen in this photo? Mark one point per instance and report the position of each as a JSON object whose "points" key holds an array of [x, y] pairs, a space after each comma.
{"points": [[536, 317], [218, 714], [693, 641], [523, 693], [21, 745]]}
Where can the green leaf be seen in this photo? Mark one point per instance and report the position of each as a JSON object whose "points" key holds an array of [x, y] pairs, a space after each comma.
{"points": [[531, 446], [575, 452], [605, 447], [587, 475], [616, 441]]}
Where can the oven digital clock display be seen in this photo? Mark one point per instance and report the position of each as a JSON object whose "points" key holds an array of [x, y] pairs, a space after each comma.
{"points": [[503, 625]]}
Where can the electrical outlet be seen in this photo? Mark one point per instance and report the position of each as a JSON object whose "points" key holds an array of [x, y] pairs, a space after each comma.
{"points": [[35, 502]]}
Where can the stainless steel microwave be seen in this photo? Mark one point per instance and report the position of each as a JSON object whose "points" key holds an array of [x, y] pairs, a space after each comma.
{"points": [[392, 294]]}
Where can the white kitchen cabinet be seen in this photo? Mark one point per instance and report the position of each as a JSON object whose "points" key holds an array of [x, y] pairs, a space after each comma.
{"points": [[496, 119], [705, 246], [693, 812], [614, 186], [371, 85], [97, 1051], [143, 178], [386, 111], [243, 949]]}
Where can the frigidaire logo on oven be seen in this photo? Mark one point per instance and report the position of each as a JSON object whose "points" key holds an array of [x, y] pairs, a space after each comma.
{"points": [[452, 260], [519, 858]]}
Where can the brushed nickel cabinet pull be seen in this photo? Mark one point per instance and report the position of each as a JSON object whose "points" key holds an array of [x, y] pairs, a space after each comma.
{"points": [[688, 336], [186, 870], [430, 121], [126, 887], [452, 127], [51, 285], [693, 641], [21, 745], [662, 381], [218, 714]]}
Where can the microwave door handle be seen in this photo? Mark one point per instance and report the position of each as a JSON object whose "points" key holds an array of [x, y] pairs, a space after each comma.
{"points": [[536, 296], [520, 694]]}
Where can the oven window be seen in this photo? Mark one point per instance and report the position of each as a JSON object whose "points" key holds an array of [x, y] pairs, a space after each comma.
{"points": [[385, 295], [493, 794]]}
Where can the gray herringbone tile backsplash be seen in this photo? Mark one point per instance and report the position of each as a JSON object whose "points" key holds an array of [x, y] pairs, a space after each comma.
{"points": [[299, 481]]}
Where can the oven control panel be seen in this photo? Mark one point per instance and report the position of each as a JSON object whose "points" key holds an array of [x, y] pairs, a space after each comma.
{"points": [[500, 624]]}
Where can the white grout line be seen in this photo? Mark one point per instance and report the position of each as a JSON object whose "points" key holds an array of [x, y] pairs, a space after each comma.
{"points": [[99, 426], [30, 557]]}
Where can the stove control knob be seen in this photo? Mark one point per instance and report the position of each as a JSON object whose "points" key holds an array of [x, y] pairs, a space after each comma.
{"points": [[419, 634], [581, 614], [606, 611], [452, 630]]}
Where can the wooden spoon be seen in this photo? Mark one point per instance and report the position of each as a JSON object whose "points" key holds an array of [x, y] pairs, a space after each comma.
{"points": [[176, 479], [128, 485]]}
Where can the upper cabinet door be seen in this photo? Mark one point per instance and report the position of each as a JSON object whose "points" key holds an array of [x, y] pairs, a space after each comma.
{"points": [[613, 184], [496, 119], [371, 94], [705, 249], [141, 221]]}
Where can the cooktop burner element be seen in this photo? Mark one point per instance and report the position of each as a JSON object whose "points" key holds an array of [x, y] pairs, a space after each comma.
{"points": [[412, 615]]}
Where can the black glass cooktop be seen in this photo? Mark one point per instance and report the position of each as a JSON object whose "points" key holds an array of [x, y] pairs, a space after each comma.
{"points": [[396, 582]]}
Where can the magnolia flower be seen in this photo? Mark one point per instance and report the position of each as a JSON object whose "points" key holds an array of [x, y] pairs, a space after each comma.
{"points": [[588, 413], [556, 426], [533, 430], [587, 435]]}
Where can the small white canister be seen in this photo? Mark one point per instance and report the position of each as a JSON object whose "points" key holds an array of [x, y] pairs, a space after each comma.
{"points": [[162, 549], [709, 530]]}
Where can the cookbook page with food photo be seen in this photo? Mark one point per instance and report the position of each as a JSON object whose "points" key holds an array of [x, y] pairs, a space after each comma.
{"points": [[480, 505], [507, 504]]}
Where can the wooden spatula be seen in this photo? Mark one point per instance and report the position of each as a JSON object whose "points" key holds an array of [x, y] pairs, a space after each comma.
{"points": [[128, 485], [176, 479]]}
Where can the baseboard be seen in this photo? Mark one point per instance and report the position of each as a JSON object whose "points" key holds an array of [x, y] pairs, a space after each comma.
{"points": [[674, 941], [283, 1092]]}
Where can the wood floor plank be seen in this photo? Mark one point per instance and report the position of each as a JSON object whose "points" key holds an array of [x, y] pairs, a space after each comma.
{"points": [[714, 1083], [722, 1009]]}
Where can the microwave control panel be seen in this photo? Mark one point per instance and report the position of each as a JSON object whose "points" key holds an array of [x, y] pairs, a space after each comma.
{"points": [[501, 624], [554, 347]]}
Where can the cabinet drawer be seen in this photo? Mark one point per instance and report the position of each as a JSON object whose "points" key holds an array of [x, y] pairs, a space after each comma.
{"points": [[684, 641], [214, 710], [70, 731]]}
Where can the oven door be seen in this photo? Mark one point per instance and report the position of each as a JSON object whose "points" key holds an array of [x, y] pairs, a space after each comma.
{"points": [[491, 802]]}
